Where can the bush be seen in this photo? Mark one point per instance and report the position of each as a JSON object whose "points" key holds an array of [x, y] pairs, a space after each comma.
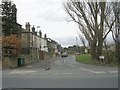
{"points": [[110, 57]]}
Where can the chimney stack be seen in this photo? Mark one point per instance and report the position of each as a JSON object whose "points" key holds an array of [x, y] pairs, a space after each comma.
{"points": [[27, 27], [40, 33], [45, 36], [33, 29]]}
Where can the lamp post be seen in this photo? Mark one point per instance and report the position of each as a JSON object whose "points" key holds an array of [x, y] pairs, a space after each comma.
{"points": [[49, 63], [39, 43]]}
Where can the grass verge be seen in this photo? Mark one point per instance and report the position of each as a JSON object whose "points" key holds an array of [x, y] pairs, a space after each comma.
{"points": [[84, 58]]}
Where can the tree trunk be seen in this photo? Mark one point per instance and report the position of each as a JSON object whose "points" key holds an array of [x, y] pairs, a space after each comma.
{"points": [[100, 31], [93, 51], [99, 49], [106, 52], [117, 47]]}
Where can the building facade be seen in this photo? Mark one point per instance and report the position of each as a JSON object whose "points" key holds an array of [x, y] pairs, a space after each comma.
{"points": [[0, 38], [33, 48]]}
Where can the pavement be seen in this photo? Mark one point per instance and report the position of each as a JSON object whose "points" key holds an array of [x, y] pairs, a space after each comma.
{"points": [[42, 64], [0, 74], [0, 64]]}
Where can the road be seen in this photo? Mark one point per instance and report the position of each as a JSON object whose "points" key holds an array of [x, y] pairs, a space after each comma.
{"points": [[64, 73]]}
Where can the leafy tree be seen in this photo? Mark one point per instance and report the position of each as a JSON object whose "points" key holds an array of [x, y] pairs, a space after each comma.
{"points": [[11, 42], [8, 18]]}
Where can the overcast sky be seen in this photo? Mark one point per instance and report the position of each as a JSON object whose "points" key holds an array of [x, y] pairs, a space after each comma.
{"points": [[50, 16]]}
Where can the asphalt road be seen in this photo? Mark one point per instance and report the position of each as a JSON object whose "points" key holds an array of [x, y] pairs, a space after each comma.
{"points": [[64, 73]]}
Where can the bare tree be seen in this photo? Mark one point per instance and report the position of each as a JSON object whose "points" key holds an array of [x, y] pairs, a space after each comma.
{"points": [[82, 39], [90, 16], [116, 30]]}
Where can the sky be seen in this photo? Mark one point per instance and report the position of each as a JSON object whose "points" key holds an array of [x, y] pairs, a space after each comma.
{"points": [[52, 19], [50, 16]]}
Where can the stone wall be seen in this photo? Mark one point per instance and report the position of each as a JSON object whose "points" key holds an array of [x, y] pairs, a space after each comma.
{"points": [[44, 55], [5, 62], [9, 62]]}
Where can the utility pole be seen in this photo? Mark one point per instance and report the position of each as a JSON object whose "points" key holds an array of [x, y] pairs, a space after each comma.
{"points": [[77, 46], [39, 43]]}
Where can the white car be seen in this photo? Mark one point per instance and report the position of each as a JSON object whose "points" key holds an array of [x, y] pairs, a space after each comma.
{"points": [[64, 55]]}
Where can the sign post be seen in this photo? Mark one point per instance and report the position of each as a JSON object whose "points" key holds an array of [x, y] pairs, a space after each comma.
{"points": [[101, 59]]}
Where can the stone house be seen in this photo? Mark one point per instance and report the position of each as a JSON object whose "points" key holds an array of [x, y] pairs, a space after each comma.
{"points": [[29, 44], [26, 37], [44, 48], [34, 45], [0, 38], [53, 47]]}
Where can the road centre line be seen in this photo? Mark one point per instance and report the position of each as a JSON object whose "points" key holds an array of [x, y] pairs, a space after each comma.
{"points": [[87, 70], [99, 72], [95, 72], [113, 71], [56, 73], [44, 73]]}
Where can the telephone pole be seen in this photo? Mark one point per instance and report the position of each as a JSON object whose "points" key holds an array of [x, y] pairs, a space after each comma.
{"points": [[77, 46]]}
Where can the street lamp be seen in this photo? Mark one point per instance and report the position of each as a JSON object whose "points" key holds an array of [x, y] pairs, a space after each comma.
{"points": [[38, 44], [49, 64]]}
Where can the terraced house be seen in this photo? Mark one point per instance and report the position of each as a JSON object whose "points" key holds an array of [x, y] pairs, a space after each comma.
{"points": [[0, 38], [32, 47]]}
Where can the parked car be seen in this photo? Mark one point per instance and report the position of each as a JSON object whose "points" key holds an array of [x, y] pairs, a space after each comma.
{"points": [[64, 55]]}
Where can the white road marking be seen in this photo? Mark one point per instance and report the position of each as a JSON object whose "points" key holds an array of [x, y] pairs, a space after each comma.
{"points": [[87, 70], [44, 73], [67, 73], [21, 72], [96, 72], [113, 71], [99, 72], [56, 73], [64, 61], [76, 73]]}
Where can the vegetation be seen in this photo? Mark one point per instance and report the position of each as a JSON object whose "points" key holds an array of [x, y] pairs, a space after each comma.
{"points": [[11, 42], [73, 49], [95, 20], [11, 45], [116, 31], [8, 18], [84, 58]]}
